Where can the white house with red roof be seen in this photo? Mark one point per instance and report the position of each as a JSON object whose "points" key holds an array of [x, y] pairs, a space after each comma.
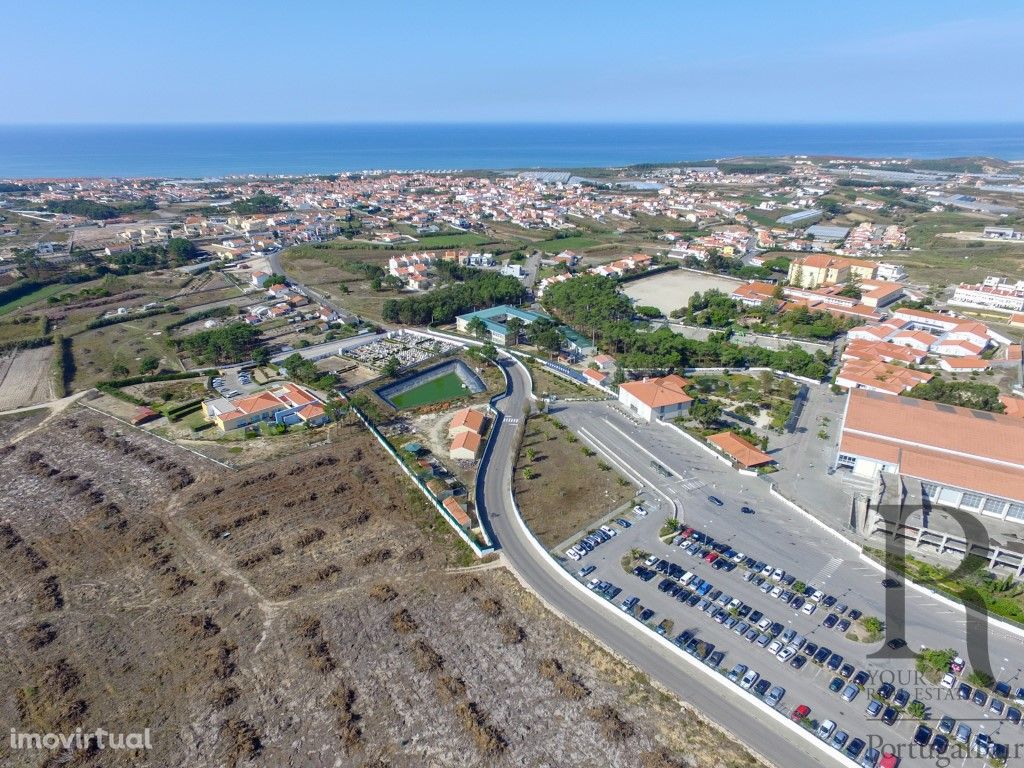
{"points": [[656, 398]]}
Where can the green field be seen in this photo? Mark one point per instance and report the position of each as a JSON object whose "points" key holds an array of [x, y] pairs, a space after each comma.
{"points": [[567, 243], [32, 298], [446, 387], [467, 240]]}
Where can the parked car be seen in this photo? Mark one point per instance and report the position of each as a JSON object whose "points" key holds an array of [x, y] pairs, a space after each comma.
{"points": [[963, 733], [854, 748], [586, 571], [836, 685], [749, 679], [839, 739], [737, 672], [800, 713], [850, 693], [946, 725], [774, 697], [762, 686], [715, 500], [923, 735], [964, 691], [902, 698], [746, 510], [825, 729], [940, 744], [874, 708], [890, 715], [870, 759]]}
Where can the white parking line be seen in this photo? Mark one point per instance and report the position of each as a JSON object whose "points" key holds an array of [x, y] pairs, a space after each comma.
{"points": [[611, 457]]}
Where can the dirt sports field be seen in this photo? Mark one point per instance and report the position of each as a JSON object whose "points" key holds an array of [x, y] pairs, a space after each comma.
{"points": [[672, 290], [309, 612], [25, 377]]}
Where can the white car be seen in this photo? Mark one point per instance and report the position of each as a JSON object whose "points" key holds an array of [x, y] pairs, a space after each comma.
{"points": [[749, 679], [638, 510], [776, 592], [764, 623], [948, 680], [825, 729], [739, 557], [785, 654], [766, 571], [808, 608], [609, 530], [777, 574], [593, 583], [651, 560], [734, 604], [774, 647], [572, 554], [817, 595]]}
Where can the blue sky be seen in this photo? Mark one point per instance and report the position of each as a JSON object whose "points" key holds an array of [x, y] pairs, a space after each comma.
{"points": [[438, 61]]}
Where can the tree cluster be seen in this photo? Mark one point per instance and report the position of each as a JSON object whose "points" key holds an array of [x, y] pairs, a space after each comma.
{"points": [[967, 394], [228, 344], [475, 290]]}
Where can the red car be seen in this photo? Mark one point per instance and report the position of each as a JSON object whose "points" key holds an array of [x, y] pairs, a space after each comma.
{"points": [[711, 557], [889, 760], [800, 713], [686, 532]]}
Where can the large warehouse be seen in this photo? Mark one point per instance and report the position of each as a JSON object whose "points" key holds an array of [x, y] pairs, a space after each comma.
{"points": [[965, 459]]}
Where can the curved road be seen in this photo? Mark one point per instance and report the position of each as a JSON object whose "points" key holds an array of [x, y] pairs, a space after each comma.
{"points": [[723, 704]]}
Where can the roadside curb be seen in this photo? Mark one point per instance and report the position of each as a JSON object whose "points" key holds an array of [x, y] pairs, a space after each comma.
{"points": [[665, 643]]}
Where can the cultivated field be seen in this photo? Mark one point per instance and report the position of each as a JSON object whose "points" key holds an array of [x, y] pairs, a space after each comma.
{"points": [[568, 487], [25, 377], [301, 613], [672, 290]]}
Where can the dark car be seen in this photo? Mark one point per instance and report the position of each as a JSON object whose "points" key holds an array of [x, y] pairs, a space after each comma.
{"points": [[797, 603], [836, 685], [998, 752], [715, 659], [885, 691], [889, 715], [963, 692], [746, 510], [715, 500], [896, 643], [861, 678], [979, 697], [684, 637], [890, 583], [798, 661], [822, 655], [762, 686], [854, 615], [846, 671], [775, 629], [1002, 689], [1013, 715], [922, 735], [940, 744], [646, 615], [902, 698], [829, 601], [854, 748], [843, 625], [810, 649], [835, 661], [743, 611], [830, 621]]}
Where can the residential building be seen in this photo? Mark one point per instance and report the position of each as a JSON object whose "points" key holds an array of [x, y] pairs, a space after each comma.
{"points": [[958, 457], [821, 269], [992, 293], [878, 376], [657, 398], [285, 404], [466, 446], [466, 420]]}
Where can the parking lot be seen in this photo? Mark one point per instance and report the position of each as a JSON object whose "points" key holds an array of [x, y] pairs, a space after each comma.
{"points": [[798, 654]]}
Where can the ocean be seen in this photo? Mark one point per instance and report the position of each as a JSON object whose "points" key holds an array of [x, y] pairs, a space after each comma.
{"points": [[203, 151]]}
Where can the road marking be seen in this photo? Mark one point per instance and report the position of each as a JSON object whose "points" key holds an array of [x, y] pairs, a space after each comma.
{"points": [[507, 420], [611, 457], [827, 570]]}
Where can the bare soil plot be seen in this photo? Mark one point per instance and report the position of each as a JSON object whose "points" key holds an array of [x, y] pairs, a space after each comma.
{"points": [[672, 290], [300, 613], [561, 489], [25, 377]]}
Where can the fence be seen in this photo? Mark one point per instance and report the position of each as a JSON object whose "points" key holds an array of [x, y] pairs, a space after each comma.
{"points": [[462, 532]]}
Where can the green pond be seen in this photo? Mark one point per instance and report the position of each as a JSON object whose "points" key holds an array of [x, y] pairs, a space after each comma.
{"points": [[446, 387]]}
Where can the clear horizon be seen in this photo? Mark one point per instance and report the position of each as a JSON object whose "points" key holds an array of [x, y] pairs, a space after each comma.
{"points": [[742, 62]]}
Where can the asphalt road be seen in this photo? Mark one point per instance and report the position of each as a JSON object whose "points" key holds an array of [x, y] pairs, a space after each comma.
{"points": [[784, 538], [725, 705]]}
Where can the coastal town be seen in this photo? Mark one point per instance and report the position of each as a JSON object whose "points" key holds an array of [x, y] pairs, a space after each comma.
{"points": [[667, 369]]}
